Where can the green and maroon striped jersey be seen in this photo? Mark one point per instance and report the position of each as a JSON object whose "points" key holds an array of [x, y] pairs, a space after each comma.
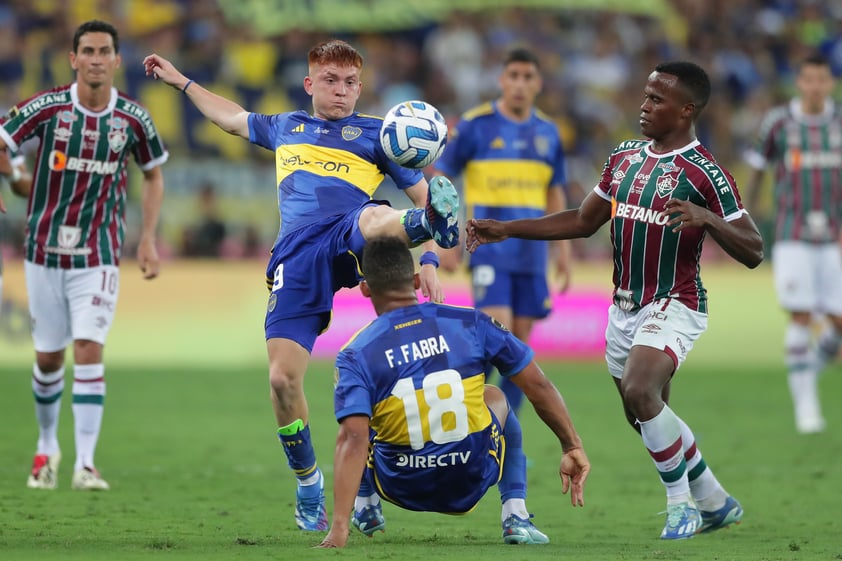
{"points": [[650, 260], [76, 212], [806, 151]]}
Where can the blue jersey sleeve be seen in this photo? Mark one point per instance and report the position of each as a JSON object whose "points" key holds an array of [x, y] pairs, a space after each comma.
{"points": [[351, 395], [262, 129], [506, 352]]}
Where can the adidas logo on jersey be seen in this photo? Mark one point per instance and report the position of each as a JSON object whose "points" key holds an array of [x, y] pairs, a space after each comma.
{"points": [[299, 128]]}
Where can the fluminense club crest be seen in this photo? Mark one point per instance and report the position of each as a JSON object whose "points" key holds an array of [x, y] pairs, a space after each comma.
{"points": [[117, 139], [666, 184]]}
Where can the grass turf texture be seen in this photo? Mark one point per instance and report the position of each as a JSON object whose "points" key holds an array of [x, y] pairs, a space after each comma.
{"points": [[197, 473]]}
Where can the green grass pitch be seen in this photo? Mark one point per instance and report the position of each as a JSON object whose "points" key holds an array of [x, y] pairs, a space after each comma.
{"points": [[197, 473]]}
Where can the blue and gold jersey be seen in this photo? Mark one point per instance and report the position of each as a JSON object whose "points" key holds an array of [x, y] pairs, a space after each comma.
{"points": [[507, 169], [419, 374], [324, 167]]}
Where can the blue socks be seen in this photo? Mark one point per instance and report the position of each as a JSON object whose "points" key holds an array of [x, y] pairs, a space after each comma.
{"points": [[298, 447], [512, 483], [414, 222]]}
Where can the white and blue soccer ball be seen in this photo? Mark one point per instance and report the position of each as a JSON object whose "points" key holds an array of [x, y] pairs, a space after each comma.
{"points": [[413, 134]]}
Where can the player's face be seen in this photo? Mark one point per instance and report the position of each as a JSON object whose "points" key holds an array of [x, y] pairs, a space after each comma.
{"points": [[814, 83], [520, 83], [334, 89], [665, 105], [95, 61]]}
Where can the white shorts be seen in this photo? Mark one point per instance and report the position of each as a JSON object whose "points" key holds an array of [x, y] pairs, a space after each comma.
{"points": [[70, 304], [808, 276], [666, 325]]}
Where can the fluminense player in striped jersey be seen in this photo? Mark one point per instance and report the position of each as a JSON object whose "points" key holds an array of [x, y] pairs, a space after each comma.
{"points": [[663, 196], [803, 141], [75, 228]]}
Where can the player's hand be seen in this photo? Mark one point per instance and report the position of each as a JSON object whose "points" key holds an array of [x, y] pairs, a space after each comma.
{"points": [[684, 214], [430, 286], [562, 278], [335, 538], [147, 258], [483, 231], [161, 69], [563, 266], [574, 471]]}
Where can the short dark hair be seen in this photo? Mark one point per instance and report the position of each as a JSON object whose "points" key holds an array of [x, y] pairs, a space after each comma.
{"points": [[96, 26], [694, 79], [387, 264], [521, 54], [814, 59]]}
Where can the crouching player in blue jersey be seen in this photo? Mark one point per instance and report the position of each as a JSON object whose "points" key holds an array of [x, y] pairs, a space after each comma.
{"points": [[419, 425], [328, 165]]}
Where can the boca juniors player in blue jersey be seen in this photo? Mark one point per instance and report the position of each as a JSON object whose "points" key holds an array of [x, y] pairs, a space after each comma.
{"points": [[512, 164], [663, 195], [328, 165], [417, 420]]}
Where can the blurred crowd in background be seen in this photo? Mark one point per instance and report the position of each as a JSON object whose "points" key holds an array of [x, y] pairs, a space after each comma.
{"points": [[594, 63]]}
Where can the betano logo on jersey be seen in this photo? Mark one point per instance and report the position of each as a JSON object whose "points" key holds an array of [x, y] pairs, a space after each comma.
{"points": [[638, 213], [811, 159], [60, 162]]}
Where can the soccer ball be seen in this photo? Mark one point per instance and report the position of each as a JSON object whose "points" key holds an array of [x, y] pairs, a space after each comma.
{"points": [[413, 134]]}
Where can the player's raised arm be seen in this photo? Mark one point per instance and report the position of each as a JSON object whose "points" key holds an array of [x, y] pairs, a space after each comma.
{"points": [[569, 224], [223, 112]]}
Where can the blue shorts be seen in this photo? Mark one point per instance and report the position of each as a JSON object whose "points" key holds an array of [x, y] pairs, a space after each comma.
{"points": [[449, 478], [306, 268], [527, 294]]}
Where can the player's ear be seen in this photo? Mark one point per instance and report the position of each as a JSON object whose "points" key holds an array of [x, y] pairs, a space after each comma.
{"points": [[364, 289], [416, 281]]}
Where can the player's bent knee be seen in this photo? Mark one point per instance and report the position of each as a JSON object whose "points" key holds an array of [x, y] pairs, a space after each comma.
{"points": [[379, 220]]}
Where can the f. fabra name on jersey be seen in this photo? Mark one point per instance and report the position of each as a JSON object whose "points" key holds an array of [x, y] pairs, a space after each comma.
{"points": [[428, 461], [641, 214], [60, 162], [416, 350]]}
